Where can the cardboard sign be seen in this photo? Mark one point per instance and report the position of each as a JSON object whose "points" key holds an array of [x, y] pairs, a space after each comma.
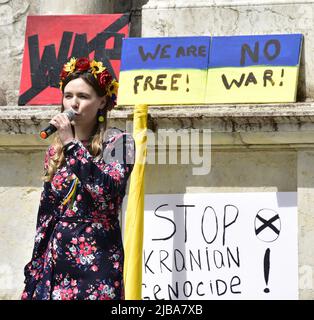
{"points": [[212, 246], [50, 41], [253, 69], [204, 70], [164, 70]]}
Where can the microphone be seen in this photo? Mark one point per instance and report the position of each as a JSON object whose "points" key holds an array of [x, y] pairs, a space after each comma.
{"points": [[45, 133]]}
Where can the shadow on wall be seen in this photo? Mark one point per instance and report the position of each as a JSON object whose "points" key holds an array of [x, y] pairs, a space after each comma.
{"points": [[3, 100], [301, 91], [135, 8]]}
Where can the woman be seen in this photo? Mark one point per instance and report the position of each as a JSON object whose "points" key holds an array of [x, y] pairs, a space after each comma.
{"points": [[78, 252]]}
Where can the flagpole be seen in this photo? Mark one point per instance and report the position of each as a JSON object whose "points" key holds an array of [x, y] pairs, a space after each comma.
{"points": [[134, 220]]}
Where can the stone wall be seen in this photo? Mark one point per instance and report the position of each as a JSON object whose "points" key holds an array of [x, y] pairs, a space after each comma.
{"points": [[12, 27]]}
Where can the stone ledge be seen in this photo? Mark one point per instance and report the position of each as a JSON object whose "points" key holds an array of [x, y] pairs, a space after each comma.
{"points": [[289, 125], [234, 110], [237, 114], [179, 4]]}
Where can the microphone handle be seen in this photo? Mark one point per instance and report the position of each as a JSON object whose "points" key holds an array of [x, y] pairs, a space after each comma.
{"points": [[45, 133]]}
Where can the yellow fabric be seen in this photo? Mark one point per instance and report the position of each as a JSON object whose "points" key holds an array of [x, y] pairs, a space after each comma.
{"points": [[134, 221]]}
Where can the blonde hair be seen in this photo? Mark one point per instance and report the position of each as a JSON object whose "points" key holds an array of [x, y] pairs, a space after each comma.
{"points": [[58, 160]]}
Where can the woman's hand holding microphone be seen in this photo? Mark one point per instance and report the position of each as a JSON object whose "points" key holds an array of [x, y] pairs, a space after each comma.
{"points": [[62, 123]]}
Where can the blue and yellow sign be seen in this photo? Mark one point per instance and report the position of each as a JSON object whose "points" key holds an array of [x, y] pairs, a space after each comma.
{"points": [[163, 70], [253, 69], [205, 70]]}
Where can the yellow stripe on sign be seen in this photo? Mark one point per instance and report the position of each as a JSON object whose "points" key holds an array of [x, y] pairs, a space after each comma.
{"points": [[156, 87], [259, 84]]}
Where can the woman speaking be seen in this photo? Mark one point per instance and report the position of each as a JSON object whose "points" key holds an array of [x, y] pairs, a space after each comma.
{"points": [[78, 251]]}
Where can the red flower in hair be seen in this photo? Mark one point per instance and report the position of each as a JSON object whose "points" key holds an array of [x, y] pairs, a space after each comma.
{"points": [[96, 68], [63, 74], [104, 79], [82, 64]]}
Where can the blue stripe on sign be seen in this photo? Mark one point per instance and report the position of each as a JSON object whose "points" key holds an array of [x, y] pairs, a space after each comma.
{"points": [[242, 51], [165, 53]]}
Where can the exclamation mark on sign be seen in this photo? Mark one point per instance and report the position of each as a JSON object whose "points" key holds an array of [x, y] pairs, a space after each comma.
{"points": [[187, 82], [266, 268], [282, 74]]}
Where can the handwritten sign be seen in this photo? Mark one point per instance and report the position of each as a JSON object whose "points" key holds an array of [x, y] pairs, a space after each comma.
{"points": [[253, 69], [204, 70], [220, 246], [164, 70], [51, 40]]}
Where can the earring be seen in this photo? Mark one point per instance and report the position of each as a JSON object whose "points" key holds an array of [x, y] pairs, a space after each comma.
{"points": [[101, 115]]}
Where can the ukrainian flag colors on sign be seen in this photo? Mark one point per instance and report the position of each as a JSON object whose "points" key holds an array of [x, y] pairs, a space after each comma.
{"points": [[203, 70], [163, 70], [253, 69]]}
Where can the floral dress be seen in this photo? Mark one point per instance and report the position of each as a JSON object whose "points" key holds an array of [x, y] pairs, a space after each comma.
{"points": [[78, 251]]}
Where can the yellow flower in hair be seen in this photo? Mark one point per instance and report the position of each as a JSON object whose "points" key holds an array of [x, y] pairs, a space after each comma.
{"points": [[113, 88], [97, 67], [70, 66]]}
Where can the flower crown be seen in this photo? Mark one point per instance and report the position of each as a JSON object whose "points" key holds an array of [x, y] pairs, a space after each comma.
{"points": [[101, 74]]}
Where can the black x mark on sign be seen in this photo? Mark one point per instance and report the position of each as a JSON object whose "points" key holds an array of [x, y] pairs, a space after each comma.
{"points": [[267, 223]]}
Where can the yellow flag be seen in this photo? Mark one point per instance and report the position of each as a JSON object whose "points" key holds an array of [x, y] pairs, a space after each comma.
{"points": [[134, 221]]}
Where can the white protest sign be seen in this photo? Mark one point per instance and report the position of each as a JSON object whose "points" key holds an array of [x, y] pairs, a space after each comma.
{"points": [[220, 246]]}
